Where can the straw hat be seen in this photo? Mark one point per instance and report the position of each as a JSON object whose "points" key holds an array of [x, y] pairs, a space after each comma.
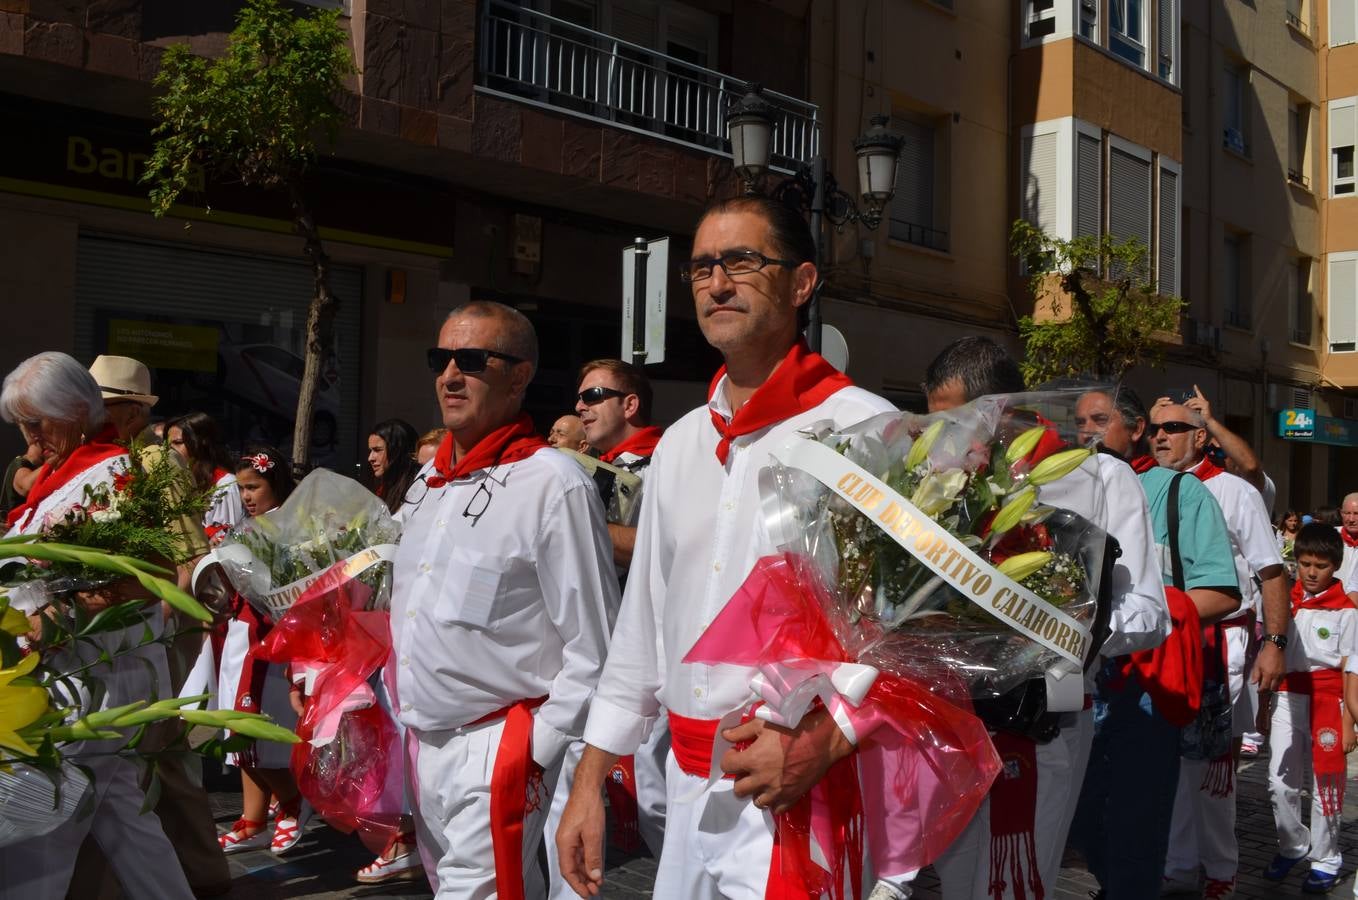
{"points": [[123, 378]]}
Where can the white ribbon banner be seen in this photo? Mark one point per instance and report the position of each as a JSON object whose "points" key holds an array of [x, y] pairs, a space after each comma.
{"points": [[939, 550], [281, 599]]}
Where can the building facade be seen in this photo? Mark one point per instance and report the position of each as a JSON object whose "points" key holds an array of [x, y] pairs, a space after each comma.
{"points": [[511, 150]]}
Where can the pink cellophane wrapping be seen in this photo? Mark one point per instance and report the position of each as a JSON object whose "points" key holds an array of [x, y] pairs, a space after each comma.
{"points": [[355, 779], [925, 761]]}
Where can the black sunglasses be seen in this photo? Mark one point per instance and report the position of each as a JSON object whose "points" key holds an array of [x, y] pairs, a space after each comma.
{"points": [[470, 360], [1170, 428], [591, 396]]}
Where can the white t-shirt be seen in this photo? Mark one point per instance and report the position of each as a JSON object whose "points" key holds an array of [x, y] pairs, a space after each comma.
{"points": [[1250, 531]]}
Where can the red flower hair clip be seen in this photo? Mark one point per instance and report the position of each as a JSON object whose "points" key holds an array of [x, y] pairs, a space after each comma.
{"points": [[260, 462]]}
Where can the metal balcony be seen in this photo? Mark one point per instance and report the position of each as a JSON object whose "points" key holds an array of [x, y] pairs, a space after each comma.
{"points": [[535, 58]]}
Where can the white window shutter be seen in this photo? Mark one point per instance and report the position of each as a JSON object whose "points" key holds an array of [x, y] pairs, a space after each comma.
{"points": [[1341, 125], [1168, 260], [1129, 197], [1088, 185], [1038, 204], [1343, 22], [1342, 321], [1167, 27], [913, 202]]}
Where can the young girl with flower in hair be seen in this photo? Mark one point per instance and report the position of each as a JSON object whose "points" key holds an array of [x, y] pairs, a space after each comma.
{"points": [[264, 478]]}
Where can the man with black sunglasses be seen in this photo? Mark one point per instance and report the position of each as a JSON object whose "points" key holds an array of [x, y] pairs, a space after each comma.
{"points": [[701, 530], [503, 599], [1203, 829]]}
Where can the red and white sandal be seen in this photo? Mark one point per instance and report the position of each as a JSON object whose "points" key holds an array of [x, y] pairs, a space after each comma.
{"points": [[287, 828], [244, 835], [399, 859]]}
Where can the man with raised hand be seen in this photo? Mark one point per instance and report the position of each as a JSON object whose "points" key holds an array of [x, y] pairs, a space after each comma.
{"points": [[1122, 821], [503, 598], [700, 532], [1203, 832]]}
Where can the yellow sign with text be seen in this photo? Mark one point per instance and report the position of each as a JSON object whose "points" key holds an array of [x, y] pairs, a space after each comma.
{"points": [[162, 345]]}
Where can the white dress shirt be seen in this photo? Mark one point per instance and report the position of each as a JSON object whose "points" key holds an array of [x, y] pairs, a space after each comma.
{"points": [[511, 606], [1251, 534], [701, 531], [1319, 639], [1139, 617]]}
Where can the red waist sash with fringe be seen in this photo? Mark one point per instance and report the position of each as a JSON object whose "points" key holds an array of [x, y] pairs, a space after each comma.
{"points": [[1326, 690]]}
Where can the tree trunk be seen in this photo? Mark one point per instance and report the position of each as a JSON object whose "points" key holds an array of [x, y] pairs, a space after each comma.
{"points": [[319, 326]]}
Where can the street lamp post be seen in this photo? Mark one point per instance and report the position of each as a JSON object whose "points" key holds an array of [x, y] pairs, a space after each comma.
{"points": [[751, 121]]}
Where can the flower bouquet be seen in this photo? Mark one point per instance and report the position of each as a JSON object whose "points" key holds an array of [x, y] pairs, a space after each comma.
{"points": [[926, 561], [50, 702], [320, 567]]}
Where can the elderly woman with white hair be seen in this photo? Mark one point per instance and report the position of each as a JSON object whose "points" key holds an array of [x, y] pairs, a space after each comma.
{"points": [[57, 405]]}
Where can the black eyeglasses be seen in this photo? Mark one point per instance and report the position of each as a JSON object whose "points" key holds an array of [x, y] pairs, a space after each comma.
{"points": [[1154, 428], [591, 396], [737, 262], [470, 360]]}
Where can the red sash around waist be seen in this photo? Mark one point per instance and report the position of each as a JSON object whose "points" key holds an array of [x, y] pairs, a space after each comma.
{"points": [[513, 793], [691, 740], [1245, 621], [1328, 764]]}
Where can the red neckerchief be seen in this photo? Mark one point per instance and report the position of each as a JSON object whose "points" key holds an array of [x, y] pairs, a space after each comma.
{"points": [[1207, 470], [506, 444], [1143, 463], [641, 443], [802, 381], [1325, 688], [48, 481], [1349, 541], [1333, 597]]}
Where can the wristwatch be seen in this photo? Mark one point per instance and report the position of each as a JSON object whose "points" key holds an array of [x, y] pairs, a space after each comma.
{"points": [[25, 463], [1279, 639]]}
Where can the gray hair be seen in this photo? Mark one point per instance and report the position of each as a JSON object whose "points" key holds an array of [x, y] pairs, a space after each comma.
{"points": [[517, 337], [52, 385]]}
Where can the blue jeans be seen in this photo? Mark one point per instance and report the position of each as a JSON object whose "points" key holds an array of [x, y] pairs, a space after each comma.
{"points": [[1122, 820]]}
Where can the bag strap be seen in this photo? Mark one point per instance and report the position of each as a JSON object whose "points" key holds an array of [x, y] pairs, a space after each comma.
{"points": [[1176, 564]]}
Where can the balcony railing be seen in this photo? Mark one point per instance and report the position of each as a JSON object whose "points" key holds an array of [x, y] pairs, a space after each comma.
{"points": [[547, 61], [920, 235]]}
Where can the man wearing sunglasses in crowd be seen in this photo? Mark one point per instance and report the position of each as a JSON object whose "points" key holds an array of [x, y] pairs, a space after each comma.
{"points": [[1203, 830], [751, 271], [503, 600]]}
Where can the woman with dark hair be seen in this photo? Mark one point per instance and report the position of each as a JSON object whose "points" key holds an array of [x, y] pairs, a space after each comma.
{"points": [[391, 457], [197, 439]]}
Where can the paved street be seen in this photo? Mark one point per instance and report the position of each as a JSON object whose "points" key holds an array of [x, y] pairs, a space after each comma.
{"points": [[323, 863]]}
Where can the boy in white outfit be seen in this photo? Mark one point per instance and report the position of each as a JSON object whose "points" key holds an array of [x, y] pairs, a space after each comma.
{"points": [[1308, 713]]}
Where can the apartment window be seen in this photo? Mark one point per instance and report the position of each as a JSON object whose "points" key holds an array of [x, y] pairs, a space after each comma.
{"points": [[1089, 20], [1166, 40], [1235, 110], [1298, 133], [1298, 16], [1299, 306], [1167, 236], [913, 216], [1342, 139], [1129, 197], [1088, 184], [1127, 30], [1235, 280], [1041, 18], [1041, 192], [1342, 297], [1343, 22]]}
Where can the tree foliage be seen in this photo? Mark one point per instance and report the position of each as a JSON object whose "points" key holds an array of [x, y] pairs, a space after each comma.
{"points": [[1104, 312], [255, 115]]}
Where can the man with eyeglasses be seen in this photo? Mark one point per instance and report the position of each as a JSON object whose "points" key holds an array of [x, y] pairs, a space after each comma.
{"points": [[701, 530], [1203, 831], [503, 598]]}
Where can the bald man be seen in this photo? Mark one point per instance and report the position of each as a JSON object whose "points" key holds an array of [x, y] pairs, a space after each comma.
{"points": [[568, 433]]}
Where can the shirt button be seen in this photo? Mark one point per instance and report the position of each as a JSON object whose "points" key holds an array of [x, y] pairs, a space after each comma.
{"points": [[697, 692], [424, 567], [410, 614], [730, 506], [405, 707], [405, 660], [716, 567]]}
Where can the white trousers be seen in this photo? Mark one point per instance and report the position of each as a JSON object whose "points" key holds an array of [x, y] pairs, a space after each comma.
{"points": [[557, 888], [141, 856], [1202, 830], [649, 763], [717, 845], [1289, 748], [964, 868], [453, 771]]}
